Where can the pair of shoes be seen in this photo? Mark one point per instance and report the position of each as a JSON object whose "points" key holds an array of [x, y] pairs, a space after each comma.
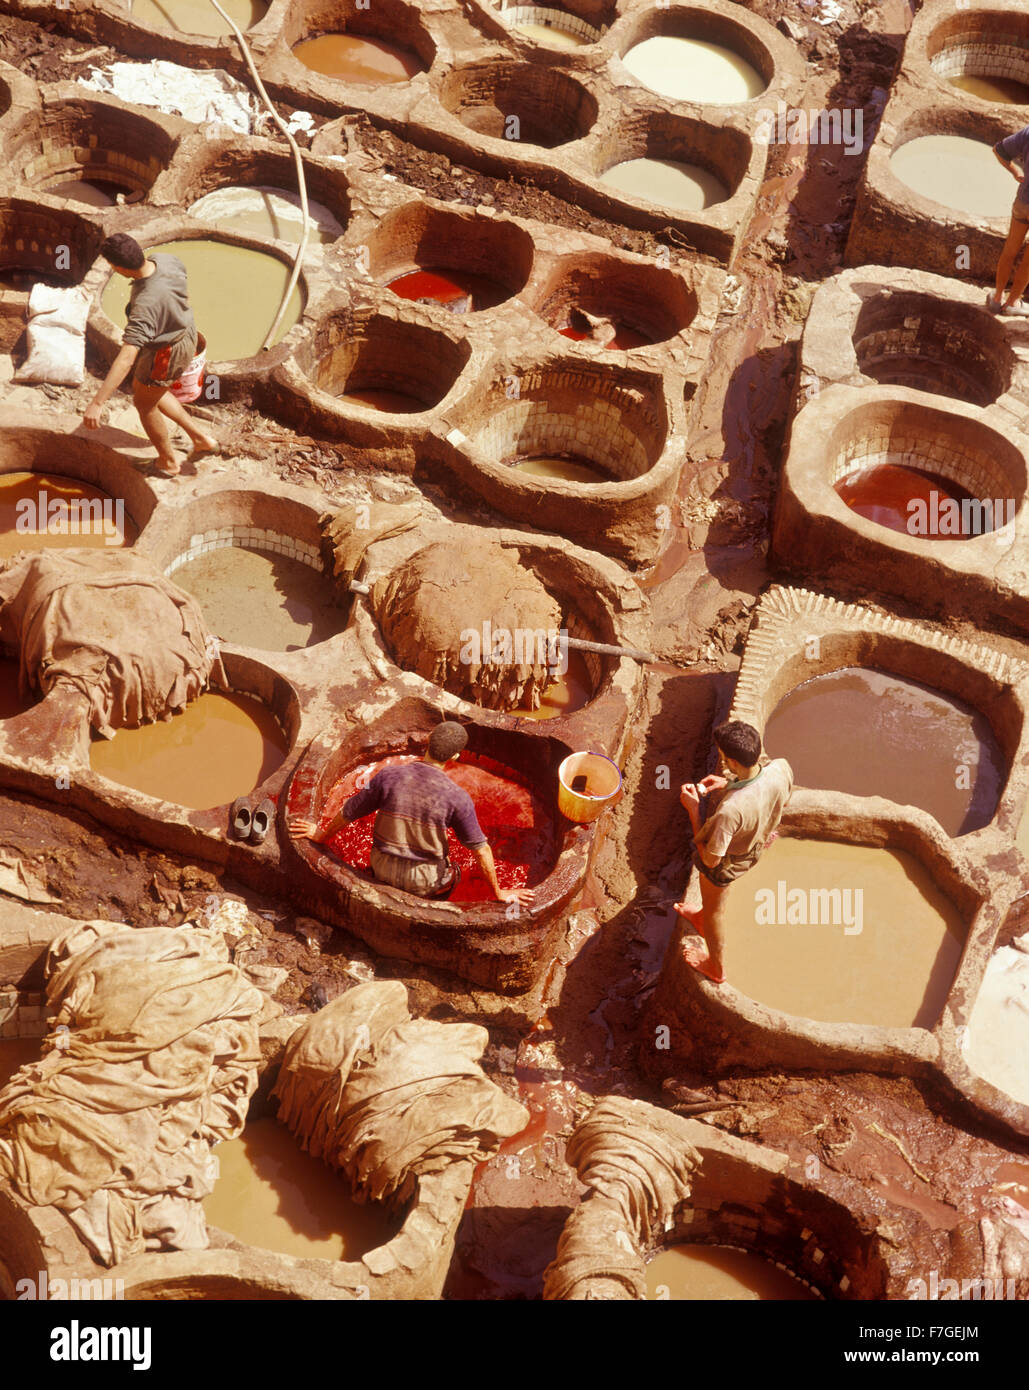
{"points": [[249, 822]]}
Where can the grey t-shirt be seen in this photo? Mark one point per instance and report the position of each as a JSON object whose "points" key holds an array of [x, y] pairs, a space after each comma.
{"points": [[1015, 148], [158, 310]]}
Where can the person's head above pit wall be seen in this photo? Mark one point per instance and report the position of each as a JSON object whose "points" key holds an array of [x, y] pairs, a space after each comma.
{"points": [[125, 254], [446, 742], [739, 744]]}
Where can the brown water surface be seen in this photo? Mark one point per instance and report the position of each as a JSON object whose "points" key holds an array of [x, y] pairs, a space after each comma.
{"points": [[43, 510], [565, 693], [392, 402], [359, 59], [569, 470], [886, 494], [271, 1194], [220, 747], [718, 1272], [866, 936], [256, 598], [868, 733], [196, 16], [1004, 89]]}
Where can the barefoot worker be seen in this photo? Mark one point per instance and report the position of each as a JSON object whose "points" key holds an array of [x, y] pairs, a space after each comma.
{"points": [[1014, 147], [740, 817], [414, 804], [159, 342]]}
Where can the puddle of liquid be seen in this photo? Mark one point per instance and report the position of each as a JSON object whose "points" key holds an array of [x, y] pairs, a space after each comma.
{"points": [[358, 59], [717, 1272], [234, 293], [221, 746], [884, 494], [569, 470], [518, 826], [957, 172], [690, 70], [15, 1053], [273, 1195], [564, 694], [613, 335], [668, 183], [1004, 89], [893, 973], [461, 291], [862, 731], [1012, 1179], [196, 16], [41, 510], [267, 212], [98, 193], [392, 402], [550, 34], [257, 599], [12, 702]]}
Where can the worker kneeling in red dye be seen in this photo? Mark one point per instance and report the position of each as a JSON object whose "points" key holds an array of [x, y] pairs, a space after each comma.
{"points": [[414, 804]]}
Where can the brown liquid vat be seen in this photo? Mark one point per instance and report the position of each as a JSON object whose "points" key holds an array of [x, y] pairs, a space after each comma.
{"points": [[89, 457], [280, 527], [392, 21], [486, 943], [981, 43]]}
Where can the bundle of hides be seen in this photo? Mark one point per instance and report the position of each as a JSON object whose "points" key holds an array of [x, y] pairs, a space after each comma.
{"points": [[152, 1060], [109, 624], [57, 336], [466, 618], [638, 1163], [348, 533], [389, 1099]]}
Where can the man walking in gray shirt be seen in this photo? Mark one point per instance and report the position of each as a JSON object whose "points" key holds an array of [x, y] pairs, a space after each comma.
{"points": [[159, 342]]}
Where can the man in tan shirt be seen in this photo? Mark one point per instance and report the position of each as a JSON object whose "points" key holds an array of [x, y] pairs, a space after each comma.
{"points": [[740, 818]]}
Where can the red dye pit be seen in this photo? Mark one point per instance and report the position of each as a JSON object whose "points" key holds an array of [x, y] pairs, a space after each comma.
{"points": [[518, 826], [461, 291], [623, 337], [884, 494]]}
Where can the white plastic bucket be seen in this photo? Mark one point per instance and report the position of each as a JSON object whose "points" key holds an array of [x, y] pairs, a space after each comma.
{"points": [[603, 785], [188, 386]]}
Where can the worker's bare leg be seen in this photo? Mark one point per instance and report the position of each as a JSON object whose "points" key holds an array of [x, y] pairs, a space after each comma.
{"points": [[147, 401], [1017, 233], [1021, 279], [177, 412]]}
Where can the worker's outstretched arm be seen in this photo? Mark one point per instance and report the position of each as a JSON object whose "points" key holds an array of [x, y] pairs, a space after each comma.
{"points": [[484, 855], [120, 368]]}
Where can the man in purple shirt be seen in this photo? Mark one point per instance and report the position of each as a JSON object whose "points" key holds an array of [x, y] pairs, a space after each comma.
{"points": [[414, 804], [1014, 147]]}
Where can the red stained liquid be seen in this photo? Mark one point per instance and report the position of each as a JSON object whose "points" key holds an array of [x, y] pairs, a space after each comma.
{"points": [[883, 494], [514, 820], [450, 287]]}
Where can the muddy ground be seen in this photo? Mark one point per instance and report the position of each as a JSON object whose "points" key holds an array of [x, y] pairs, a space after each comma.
{"points": [[909, 1151]]}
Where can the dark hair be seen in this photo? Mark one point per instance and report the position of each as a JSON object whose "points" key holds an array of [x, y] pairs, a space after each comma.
{"points": [[123, 251], [739, 741], [447, 740]]}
